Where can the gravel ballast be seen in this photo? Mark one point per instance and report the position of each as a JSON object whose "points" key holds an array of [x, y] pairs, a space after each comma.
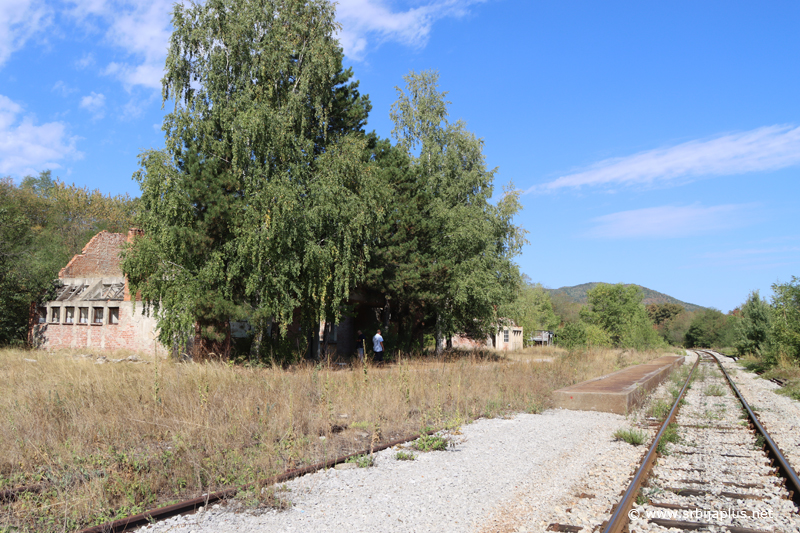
{"points": [[500, 475]]}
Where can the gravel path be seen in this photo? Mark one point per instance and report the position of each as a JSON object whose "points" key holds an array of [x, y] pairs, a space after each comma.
{"points": [[501, 475]]}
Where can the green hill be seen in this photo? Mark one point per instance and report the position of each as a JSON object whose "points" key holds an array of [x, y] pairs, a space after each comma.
{"points": [[577, 294]]}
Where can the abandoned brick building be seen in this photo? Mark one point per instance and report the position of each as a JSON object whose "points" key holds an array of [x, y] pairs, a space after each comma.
{"points": [[93, 307]]}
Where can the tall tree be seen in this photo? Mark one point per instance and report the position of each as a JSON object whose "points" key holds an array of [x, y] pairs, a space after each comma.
{"points": [[259, 205], [786, 319], [619, 311], [753, 328], [449, 249], [710, 328], [532, 309]]}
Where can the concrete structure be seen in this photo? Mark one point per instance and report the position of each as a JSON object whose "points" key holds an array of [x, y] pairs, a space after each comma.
{"points": [[506, 339], [618, 392], [542, 338], [93, 307]]}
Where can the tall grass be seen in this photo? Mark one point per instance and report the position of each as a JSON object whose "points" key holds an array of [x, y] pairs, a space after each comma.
{"points": [[117, 438]]}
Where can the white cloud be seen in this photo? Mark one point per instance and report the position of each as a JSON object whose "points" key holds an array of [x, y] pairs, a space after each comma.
{"points": [[366, 20], [19, 20], [671, 221], [63, 88], [86, 60], [94, 103], [761, 149], [27, 148], [140, 27]]}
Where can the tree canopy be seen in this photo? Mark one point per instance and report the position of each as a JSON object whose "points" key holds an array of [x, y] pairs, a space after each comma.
{"points": [[443, 254], [260, 204]]}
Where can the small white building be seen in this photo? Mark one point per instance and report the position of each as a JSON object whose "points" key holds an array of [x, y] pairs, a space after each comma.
{"points": [[507, 338]]}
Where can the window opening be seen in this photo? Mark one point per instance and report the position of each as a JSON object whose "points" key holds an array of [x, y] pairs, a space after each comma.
{"points": [[113, 315], [83, 315], [505, 335], [69, 315], [97, 317], [55, 315]]}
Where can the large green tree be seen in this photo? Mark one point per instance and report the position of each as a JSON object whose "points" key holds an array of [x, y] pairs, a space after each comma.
{"points": [[532, 309], [445, 249], [786, 319], [710, 328], [259, 205], [754, 325], [619, 311]]}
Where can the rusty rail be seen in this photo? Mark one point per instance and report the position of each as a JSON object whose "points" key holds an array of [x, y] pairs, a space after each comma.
{"points": [[190, 506], [785, 469], [11, 495], [619, 520]]}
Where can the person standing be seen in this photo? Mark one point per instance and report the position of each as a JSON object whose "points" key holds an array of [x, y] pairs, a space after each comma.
{"points": [[362, 345], [377, 347]]}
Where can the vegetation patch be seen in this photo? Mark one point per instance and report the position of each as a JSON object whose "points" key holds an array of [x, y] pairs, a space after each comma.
{"points": [[404, 456], [431, 443], [631, 436], [118, 439], [362, 461], [659, 409], [715, 390], [670, 436]]}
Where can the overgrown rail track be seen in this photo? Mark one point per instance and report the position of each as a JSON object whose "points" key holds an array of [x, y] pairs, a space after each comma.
{"points": [[724, 473]]}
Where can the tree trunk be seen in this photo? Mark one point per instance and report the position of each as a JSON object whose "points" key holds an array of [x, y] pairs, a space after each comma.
{"points": [[439, 335], [326, 335], [387, 314]]}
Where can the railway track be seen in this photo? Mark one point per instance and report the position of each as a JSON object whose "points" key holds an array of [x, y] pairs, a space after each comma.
{"points": [[723, 472]]}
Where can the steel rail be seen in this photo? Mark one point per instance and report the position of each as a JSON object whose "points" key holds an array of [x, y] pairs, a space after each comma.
{"points": [[783, 465], [619, 520], [11, 495], [190, 506]]}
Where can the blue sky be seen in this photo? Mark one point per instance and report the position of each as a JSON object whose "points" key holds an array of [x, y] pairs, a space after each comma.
{"points": [[656, 144]]}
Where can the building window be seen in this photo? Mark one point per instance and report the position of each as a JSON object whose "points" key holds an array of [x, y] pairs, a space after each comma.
{"points": [[97, 315], [505, 334], [42, 312], [55, 315], [113, 315], [69, 315], [83, 315]]}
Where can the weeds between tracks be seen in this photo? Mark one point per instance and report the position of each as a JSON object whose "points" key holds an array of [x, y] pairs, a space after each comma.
{"points": [[116, 439]]}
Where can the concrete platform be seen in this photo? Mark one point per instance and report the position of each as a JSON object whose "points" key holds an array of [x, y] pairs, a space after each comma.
{"points": [[618, 392]]}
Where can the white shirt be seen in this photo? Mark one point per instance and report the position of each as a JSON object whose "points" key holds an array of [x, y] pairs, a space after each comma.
{"points": [[376, 343]]}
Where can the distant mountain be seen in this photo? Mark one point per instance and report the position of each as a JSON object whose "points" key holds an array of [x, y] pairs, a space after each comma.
{"points": [[578, 294]]}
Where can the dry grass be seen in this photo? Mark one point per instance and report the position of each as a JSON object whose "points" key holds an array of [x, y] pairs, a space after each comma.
{"points": [[117, 438]]}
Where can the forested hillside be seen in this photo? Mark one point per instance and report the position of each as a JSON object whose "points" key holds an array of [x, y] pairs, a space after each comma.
{"points": [[578, 294]]}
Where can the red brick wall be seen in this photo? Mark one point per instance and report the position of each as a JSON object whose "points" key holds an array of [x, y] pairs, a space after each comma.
{"points": [[134, 332], [100, 257]]}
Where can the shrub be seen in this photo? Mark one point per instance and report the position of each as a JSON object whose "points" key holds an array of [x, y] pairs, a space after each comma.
{"points": [[404, 456], [631, 436], [431, 443]]}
